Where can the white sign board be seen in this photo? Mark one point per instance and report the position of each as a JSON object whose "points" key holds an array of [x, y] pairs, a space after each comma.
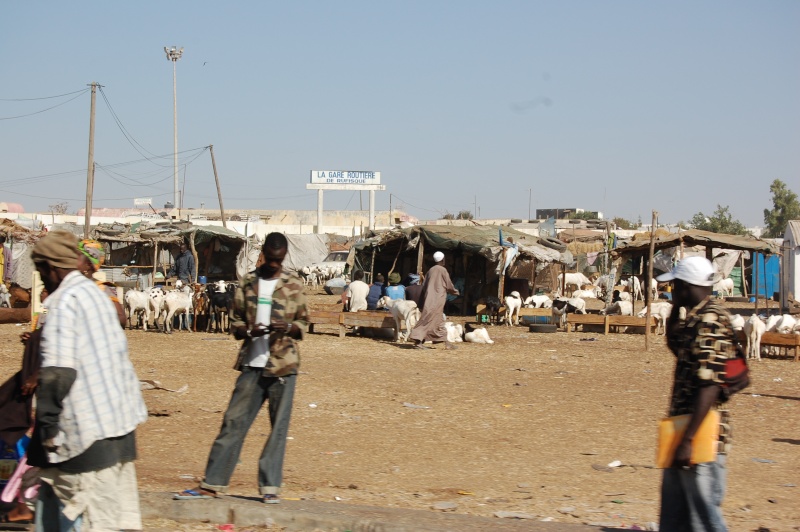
{"points": [[142, 202], [345, 177]]}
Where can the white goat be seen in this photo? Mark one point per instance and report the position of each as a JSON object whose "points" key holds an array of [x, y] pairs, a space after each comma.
{"points": [[786, 324], [634, 287], [178, 301], [622, 308], [737, 322], [401, 309], [576, 279], [478, 336], [661, 312], [587, 294], [5, 296], [454, 332], [754, 328], [137, 303], [156, 297], [724, 287], [513, 304], [541, 301]]}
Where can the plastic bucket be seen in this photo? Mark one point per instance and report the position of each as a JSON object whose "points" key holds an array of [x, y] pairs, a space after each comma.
{"points": [[202, 279]]}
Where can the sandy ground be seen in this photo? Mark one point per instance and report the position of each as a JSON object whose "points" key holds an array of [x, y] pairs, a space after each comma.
{"points": [[527, 424]]}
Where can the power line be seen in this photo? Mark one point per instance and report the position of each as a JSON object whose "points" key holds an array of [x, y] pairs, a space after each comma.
{"points": [[45, 110], [42, 98], [132, 141]]}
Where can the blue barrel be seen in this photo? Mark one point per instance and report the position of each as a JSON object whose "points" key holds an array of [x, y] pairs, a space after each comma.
{"points": [[202, 279]]}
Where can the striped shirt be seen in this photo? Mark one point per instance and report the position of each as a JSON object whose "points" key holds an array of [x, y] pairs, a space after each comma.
{"points": [[83, 333]]}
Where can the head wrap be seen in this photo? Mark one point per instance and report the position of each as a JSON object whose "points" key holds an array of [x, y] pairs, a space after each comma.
{"points": [[93, 250], [438, 256], [59, 249], [413, 279]]}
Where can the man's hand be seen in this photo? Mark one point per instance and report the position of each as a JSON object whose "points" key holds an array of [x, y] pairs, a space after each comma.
{"points": [[24, 337], [683, 454]]}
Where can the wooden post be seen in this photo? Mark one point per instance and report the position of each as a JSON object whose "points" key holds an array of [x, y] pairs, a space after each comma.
{"points": [[155, 260], [755, 288], [194, 254], [219, 192], [744, 277], [87, 218], [420, 255], [502, 282], [464, 262], [649, 276], [563, 280], [372, 266]]}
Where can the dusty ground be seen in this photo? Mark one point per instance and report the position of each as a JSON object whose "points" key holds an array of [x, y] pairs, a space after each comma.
{"points": [[515, 426]]}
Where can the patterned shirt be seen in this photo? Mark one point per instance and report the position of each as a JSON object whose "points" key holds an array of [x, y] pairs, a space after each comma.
{"points": [[703, 344], [288, 304], [83, 334]]}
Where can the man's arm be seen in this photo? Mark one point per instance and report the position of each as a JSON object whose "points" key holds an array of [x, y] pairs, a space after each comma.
{"points": [[54, 385]]}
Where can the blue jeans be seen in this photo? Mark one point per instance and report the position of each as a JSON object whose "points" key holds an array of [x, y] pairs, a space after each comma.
{"points": [[252, 389], [691, 499]]}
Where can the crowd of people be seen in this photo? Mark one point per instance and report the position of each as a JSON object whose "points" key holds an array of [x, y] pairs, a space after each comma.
{"points": [[80, 439]]}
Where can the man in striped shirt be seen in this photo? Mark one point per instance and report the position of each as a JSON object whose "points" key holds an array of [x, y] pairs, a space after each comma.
{"points": [[88, 402]]}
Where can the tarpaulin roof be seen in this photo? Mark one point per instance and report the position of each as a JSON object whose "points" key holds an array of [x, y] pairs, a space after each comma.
{"points": [[479, 239], [696, 237], [204, 233]]}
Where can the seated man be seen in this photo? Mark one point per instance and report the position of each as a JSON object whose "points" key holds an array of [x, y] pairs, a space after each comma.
{"points": [[355, 295], [376, 291], [395, 290]]}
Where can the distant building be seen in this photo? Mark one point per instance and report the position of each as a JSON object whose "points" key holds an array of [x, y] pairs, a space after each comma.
{"points": [[562, 213]]}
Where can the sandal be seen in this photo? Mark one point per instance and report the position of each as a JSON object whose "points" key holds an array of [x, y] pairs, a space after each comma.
{"points": [[420, 346], [197, 493], [271, 498]]}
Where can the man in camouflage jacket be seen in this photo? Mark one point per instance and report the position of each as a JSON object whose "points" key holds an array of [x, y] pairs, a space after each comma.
{"points": [[269, 313]]}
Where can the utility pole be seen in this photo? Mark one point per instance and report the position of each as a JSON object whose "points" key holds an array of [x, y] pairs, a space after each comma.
{"points": [[173, 55], [219, 192], [530, 193], [649, 281], [87, 215]]}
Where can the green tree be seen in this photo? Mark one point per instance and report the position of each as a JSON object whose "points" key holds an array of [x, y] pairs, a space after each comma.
{"points": [[585, 215], [785, 207], [464, 215], [448, 216], [719, 222], [622, 223]]}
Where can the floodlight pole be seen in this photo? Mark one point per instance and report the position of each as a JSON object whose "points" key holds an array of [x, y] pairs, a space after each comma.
{"points": [[173, 54]]}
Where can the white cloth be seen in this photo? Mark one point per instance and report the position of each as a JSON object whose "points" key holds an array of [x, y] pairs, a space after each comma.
{"points": [[108, 499], [258, 353], [357, 294], [83, 333]]}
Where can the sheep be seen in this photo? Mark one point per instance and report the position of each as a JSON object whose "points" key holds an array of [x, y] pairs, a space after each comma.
{"points": [[754, 328], [156, 297], [634, 287], [477, 336], [492, 308], [563, 306], [576, 279], [513, 304], [538, 301], [587, 294], [5, 296], [724, 287], [737, 322], [401, 309], [622, 308], [661, 311], [653, 289], [454, 332], [177, 301], [137, 303], [772, 323], [604, 283], [786, 324]]}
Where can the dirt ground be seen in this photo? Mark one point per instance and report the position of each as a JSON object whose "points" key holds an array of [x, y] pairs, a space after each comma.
{"points": [[528, 424]]}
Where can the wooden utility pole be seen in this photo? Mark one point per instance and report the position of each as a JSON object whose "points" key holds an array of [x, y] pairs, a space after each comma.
{"points": [[649, 277], [219, 192], [87, 216]]}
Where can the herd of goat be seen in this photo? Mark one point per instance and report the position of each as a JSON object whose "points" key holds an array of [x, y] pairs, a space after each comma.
{"points": [[208, 305]]}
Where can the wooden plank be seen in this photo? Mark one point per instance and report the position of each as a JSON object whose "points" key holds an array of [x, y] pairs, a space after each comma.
{"points": [[776, 339], [368, 318], [586, 319], [323, 317]]}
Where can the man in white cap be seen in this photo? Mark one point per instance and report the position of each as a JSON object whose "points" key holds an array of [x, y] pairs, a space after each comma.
{"points": [[691, 494], [435, 288]]}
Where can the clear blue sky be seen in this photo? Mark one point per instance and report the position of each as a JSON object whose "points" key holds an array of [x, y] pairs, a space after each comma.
{"points": [[618, 106]]}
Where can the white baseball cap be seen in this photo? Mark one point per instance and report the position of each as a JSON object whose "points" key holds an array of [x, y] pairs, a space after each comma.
{"points": [[698, 271], [438, 256]]}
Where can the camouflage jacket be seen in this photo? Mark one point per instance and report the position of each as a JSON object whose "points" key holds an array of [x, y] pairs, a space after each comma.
{"points": [[288, 304]]}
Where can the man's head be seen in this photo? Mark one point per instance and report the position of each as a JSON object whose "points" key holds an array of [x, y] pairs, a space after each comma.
{"points": [[358, 275], [55, 255], [379, 278], [692, 280], [412, 279], [438, 257], [394, 278], [183, 247], [274, 251]]}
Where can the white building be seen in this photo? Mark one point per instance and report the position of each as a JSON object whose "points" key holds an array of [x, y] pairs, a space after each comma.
{"points": [[790, 276]]}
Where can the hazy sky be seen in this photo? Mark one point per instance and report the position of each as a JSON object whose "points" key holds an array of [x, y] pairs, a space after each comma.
{"points": [[619, 106]]}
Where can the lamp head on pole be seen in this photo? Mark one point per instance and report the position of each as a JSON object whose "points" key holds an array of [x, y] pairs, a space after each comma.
{"points": [[173, 54]]}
